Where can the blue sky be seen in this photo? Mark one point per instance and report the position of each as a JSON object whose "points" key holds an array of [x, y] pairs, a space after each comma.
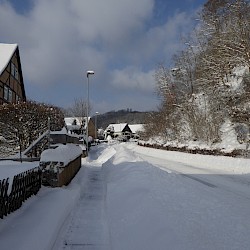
{"points": [[121, 40]]}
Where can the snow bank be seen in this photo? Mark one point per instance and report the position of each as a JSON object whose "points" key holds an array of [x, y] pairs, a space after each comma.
{"points": [[63, 153], [129, 205], [148, 208], [221, 164], [123, 154], [106, 154]]}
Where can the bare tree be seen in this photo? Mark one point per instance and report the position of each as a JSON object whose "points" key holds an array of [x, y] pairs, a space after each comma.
{"points": [[195, 93], [79, 110]]}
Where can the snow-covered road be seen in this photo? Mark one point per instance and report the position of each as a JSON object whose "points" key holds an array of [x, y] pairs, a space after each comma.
{"points": [[230, 174], [130, 197], [163, 209]]}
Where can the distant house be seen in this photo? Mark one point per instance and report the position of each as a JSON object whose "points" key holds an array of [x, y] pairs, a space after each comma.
{"points": [[136, 129], [78, 125], [120, 129], [11, 77]]}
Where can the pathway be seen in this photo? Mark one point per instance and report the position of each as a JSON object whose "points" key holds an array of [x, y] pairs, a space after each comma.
{"points": [[87, 227]]}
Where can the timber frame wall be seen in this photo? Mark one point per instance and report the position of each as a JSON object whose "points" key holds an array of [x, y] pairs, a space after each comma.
{"points": [[11, 81]]}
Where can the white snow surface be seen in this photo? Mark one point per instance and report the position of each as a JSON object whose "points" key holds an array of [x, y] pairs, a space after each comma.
{"points": [[153, 199], [63, 153], [8, 169], [135, 128]]}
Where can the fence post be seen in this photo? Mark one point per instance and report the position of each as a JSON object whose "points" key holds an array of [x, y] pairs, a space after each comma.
{"points": [[4, 185]]}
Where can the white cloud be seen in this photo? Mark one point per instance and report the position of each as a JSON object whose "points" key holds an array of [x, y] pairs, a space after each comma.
{"points": [[60, 39], [111, 20], [132, 78], [161, 42], [62, 34]]}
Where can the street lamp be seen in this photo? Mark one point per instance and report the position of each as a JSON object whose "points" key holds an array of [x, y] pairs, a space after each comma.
{"points": [[89, 72], [96, 114]]}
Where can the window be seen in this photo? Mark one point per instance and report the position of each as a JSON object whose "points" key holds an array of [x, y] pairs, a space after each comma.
{"points": [[6, 90], [14, 70], [16, 73], [18, 98], [12, 66], [10, 95]]}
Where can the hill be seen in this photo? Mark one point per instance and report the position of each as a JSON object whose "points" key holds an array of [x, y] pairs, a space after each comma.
{"points": [[121, 116]]}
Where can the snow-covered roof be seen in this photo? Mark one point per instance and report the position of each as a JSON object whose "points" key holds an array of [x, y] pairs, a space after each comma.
{"points": [[69, 120], [117, 127], [6, 52], [135, 128]]}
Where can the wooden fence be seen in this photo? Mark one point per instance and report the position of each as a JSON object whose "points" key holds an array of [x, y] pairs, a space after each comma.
{"points": [[24, 185], [55, 174], [4, 185]]}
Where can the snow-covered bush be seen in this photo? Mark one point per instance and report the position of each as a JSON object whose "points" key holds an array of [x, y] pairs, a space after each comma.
{"points": [[22, 123]]}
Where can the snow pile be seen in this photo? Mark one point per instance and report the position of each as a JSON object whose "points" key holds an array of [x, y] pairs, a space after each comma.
{"points": [[63, 153], [123, 154], [106, 154]]}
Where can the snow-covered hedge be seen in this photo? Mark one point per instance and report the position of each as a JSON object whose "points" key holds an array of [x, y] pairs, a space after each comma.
{"points": [[245, 153]]}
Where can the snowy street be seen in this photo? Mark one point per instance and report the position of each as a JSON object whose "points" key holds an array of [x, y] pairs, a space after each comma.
{"points": [[231, 175], [130, 197]]}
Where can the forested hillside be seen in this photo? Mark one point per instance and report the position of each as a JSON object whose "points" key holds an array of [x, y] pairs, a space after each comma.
{"points": [[121, 116], [209, 83]]}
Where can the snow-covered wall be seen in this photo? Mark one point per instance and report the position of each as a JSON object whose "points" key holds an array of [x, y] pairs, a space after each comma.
{"points": [[63, 153]]}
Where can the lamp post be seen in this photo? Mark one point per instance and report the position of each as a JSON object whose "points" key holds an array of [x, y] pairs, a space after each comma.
{"points": [[96, 114], [48, 132], [89, 72]]}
